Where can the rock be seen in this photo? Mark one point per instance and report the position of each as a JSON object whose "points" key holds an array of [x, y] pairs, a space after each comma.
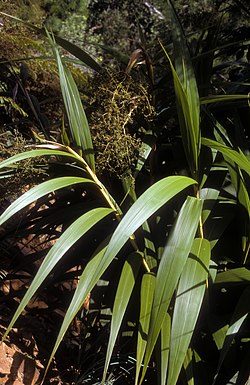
{"points": [[16, 368]]}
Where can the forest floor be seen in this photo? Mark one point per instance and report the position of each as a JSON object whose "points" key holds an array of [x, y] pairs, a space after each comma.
{"points": [[25, 351]]}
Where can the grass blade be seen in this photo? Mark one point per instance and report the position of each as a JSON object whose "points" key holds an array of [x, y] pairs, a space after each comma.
{"points": [[188, 302], [187, 96], [165, 343], [146, 205], [33, 154], [125, 287], [238, 157], [39, 191], [170, 269], [222, 98], [147, 293], [74, 232], [241, 312], [188, 367], [78, 123]]}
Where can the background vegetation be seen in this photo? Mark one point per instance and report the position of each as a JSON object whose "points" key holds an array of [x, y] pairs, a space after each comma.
{"points": [[125, 189]]}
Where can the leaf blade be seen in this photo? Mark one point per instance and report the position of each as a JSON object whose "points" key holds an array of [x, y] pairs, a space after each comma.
{"points": [[238, 157], [78, 123], [147, 292], [39, 191], [189, 298], [170, 268], [125, 287], [74, 232], [150, 201]]}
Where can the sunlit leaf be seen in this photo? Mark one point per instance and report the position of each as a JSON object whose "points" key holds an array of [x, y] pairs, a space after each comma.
{"points": [[188, 367], [240, 275], [186, 91], [165, 347], [209, 197], [146, 302], [33, 154], [170, 269], [187, 306], [70, 236], [238, 157], [146, 205], [39, 191], [144, 152], [219, 336], [123, 293], [78, 123]]}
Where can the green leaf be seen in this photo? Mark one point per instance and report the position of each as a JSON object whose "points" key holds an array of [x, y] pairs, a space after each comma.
{"points": [[238, 182], [241, 312], [78, 123], [219, 335], [144, 152], [170, 269], [240, 186], [149, 250], [125, 287], [188, 367], [187, 96], [238, 275], [209, 197], [33, 154], [165, 345], [187, 306], [146, 302], [146, 205], [238, 157], [86, 282], [70, 236], [39, 191], [222, 98]]}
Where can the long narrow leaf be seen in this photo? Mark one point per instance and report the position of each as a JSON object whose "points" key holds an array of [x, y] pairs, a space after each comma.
{"points": [[123, 294], [239, 275], [147, 293], [185, 71], [188, 367], [242, 310], [186, 91], [222, 98], [72, 101], [74, 232], [146, 205], [238, 157], [209, 197], [171, 266], [188, 302], [33, 154], [39, 191], [165, 346]]}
